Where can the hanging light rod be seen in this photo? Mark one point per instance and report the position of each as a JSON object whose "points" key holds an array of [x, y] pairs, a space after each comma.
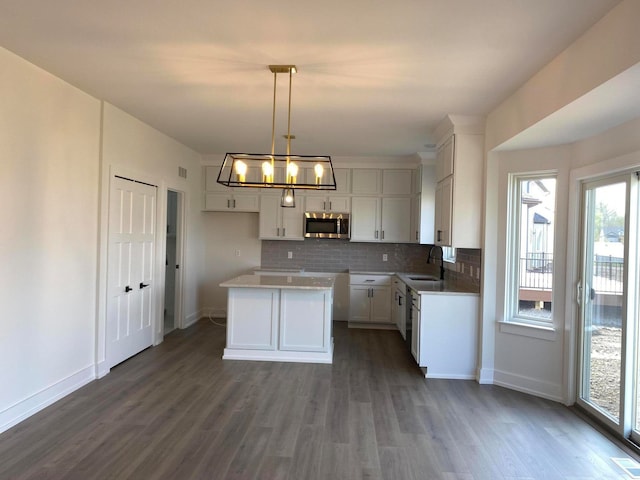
{"points": [[271, 170]]}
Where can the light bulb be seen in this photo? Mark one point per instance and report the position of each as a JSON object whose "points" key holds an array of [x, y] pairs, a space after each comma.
{"points": [[292, 170], [319, 169], [267, 172], [241, 170]]}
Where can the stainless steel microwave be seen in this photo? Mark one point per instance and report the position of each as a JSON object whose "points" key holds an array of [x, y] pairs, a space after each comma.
{"points": [[326, 225]]}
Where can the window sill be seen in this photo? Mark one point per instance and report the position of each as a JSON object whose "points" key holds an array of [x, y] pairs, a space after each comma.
{"points": [[529, 330]]}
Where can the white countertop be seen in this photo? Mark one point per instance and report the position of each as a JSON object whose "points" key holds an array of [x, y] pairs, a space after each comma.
{"points": [[280, 281], [441, 286]]}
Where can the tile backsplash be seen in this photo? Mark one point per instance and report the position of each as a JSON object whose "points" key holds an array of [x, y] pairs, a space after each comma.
{"points": [[321, 255]]}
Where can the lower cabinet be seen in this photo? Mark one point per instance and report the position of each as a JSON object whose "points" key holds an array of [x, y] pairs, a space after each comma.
{"points": [[447, 333], [370, 298]]}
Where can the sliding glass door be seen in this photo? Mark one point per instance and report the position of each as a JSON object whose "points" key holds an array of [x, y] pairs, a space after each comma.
{"points": [[608, 299]]}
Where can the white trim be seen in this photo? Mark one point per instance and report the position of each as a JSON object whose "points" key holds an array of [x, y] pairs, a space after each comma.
{"points": [[192, 319], [541, 332], [279, 355], [485, 376], [577, 176], [450, 376], [529, 385], [25, 408]]}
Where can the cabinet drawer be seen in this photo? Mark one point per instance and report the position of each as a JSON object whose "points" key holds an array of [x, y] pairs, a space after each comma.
{"points": [[370, 280]]}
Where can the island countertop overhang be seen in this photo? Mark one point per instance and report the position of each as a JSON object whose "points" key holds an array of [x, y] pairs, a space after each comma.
{"points": [[280, 281]]}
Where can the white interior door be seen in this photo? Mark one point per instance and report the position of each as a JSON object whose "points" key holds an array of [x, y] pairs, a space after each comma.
{"points": [[132, 213]]}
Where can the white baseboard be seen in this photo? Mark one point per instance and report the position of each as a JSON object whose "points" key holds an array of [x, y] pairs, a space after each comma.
{"points": [[484, 376], [450, 376], [191, 319], [38, 401], [529, 385]]}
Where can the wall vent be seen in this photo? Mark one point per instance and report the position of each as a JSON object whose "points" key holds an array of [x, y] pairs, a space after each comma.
{"points": [[182, 172]]}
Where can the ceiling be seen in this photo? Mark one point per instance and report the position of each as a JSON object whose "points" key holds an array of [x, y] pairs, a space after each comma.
{"points": [[375, 77]]}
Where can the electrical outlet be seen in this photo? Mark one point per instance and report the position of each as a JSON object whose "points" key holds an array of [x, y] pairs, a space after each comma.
{"points": [[385, 257], [237, 252], [289, 255]]}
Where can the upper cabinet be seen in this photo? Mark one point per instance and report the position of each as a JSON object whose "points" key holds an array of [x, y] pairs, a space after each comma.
{"points": [[343, 182], [278, 223], [366, 181], [381, 212], [459, 173], [218, 198]]}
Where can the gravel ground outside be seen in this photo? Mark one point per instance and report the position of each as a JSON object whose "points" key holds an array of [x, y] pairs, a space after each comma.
{"points": [[606, 345]]}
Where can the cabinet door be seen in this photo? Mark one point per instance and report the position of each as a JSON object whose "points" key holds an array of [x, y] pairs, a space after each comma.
{"points": [[343, 184], [269, 225], [315, 204], [380, 304], [402, 314], [396, 220], [217, 202], [365, 223], [246, 203], [415, 219], [445, 159], [359, 303], [292, 221], [396, 182], [365, 181], [338, 204], [415, 334], [444, 205]]}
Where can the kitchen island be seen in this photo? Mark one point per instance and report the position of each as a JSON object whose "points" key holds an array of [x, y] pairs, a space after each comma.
{"points": [[279, 318]]}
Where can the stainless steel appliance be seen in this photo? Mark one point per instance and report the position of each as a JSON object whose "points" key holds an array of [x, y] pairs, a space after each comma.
{"points": [[326, 225]]}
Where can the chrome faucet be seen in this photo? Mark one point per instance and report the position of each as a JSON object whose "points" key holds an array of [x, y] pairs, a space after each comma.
{"points": [[441, 259]]}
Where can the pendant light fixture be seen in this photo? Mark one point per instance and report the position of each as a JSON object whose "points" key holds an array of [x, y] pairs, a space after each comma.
{"points": [[288, 172]]}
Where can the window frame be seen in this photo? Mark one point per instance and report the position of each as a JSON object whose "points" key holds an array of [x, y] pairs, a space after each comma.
{"points": [[512, 315]]}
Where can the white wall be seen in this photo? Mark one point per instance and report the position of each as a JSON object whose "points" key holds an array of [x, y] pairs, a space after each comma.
{"points": [[49, 171], [608, 48], [58, 146], [524, 362], [224, 233], [133, 149]]}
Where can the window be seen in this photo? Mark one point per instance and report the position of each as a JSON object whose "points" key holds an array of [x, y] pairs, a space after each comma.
{"points": [[530, 237]]}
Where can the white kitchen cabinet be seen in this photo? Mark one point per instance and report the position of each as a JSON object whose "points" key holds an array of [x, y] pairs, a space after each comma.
{"points": [[218, 198], [343, 181], [366, 181], [365, 219], [397, 182], [396, 219], [328, 204], [459, 170], [381, 219], [443, 214], [370, 299], [448, 334], [415, 332], [278, 223], [399, 306], [233, 202], [444, 159]]}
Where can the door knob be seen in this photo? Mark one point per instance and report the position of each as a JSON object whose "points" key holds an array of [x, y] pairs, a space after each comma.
{"points": [[142, 285]]}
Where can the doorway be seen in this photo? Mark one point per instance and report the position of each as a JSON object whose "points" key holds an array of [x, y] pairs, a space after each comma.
{"points": [[173, 260], [608, 298]]}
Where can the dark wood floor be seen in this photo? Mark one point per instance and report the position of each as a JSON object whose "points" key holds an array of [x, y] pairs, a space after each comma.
{"points": [[177, 411]]}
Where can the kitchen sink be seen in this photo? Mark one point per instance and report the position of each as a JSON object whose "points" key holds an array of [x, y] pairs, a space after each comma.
{"points": [[425, 278]]}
